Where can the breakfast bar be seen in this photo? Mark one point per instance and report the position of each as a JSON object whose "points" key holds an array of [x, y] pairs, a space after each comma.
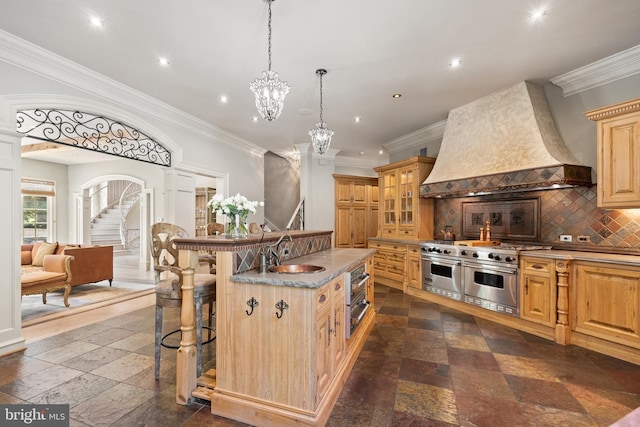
{"points": [[283, 344]]}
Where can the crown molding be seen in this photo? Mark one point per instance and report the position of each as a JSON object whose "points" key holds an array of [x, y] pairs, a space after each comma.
{"points": [[606, 70], [418, 138], [36, 59]]}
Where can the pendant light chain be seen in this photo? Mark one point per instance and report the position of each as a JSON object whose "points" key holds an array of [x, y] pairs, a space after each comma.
{"points": [[269, 26], [321, 121]]}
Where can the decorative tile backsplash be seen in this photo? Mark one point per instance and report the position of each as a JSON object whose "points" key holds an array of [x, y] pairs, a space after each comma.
{"points": [[249, 257], [563, 211]]}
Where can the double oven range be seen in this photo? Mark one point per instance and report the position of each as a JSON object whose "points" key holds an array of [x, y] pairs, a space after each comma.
{"points": [[486, 276]]}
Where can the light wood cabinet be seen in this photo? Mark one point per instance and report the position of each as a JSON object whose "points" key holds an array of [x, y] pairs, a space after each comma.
{"points": [[390, 263], [618, 172], [356, 210], [277, 359], [606, 298], [538, 290], [414, 267], [403, 213]]}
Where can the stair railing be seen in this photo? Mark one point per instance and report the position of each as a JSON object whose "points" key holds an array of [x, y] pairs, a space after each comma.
{"points": [[132, 191], [297, 219], [97, 207]]}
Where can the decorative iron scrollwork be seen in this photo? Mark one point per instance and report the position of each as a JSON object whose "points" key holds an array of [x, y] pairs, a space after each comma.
{"points": [[251, 303], [282, 306], [91, 132]]}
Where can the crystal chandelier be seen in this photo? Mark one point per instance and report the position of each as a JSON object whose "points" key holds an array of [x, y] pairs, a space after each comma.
{"points": [[321, 134], [269, 90]]}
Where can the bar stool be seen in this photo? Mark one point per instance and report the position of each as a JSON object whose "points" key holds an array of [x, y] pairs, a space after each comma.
{"points": [[168, 279]]}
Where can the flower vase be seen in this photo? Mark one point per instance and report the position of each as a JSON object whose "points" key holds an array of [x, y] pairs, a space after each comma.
{"points": [[237, 227]]}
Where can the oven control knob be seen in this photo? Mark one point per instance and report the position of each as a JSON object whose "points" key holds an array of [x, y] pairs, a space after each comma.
{"points": [[463, 253], [439, 251], [490, 256], [509, 259], [475, 255], [497, 257], [431, 249], [446, 251]]}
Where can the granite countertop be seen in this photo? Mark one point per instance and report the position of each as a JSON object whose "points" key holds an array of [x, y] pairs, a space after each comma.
{"points": [[336, 261], [585, 256]]}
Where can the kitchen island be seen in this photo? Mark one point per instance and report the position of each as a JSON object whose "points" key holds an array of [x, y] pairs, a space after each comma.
{"points": [[281, 353]]}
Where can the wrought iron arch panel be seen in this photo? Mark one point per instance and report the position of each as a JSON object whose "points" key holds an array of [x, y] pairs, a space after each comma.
{"points": [[91, 132]]}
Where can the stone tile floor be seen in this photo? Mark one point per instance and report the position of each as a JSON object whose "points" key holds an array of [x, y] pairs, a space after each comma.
{"points": [[422, 365]]}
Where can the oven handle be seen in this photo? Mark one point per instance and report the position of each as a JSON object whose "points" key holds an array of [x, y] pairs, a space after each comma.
{"points": [[491, 268], [442, 261], [364, 279], [364, 310]]}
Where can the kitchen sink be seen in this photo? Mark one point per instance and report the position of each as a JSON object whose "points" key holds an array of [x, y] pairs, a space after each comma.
{"points": [[296, 268]]}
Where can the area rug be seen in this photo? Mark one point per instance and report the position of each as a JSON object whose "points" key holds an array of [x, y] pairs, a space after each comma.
{"points": [[81, 298]]}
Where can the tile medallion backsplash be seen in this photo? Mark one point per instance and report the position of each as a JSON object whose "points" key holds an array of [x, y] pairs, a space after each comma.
{"points": [[564, 211]]}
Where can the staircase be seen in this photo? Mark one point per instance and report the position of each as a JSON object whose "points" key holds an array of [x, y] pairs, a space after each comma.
{"points": [[105, 227]]}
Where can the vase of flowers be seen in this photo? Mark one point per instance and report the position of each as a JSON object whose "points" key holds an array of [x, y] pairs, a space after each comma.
{"points": [[236, 210]]}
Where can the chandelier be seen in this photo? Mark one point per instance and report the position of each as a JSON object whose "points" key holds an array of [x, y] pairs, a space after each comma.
{"points": [[321, 134], [268, 89]]}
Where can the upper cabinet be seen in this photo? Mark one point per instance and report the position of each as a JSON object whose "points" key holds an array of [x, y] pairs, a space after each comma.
{"points": [[403, 214], [356, 210], [618, 154]]}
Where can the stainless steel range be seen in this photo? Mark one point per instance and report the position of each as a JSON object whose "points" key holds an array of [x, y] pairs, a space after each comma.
{"points": [[486, 276]]}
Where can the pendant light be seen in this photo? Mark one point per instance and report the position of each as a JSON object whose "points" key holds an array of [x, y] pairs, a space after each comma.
{"points": [[321, 134], [269, 90]]}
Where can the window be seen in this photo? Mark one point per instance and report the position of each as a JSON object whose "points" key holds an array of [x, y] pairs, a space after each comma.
{"points": [[37, 212]]}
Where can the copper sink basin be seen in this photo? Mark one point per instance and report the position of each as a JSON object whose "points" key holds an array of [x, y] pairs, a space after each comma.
{"points": [[296, 268]]}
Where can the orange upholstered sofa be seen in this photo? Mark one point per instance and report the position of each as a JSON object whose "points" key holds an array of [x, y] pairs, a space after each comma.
{"points": [[90, 264]]}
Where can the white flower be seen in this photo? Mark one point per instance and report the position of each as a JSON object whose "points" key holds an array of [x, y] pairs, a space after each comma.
{"points": [[234, 205]]}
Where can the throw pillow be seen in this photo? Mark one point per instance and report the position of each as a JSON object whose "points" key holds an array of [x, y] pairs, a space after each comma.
{"points": [[25, 257], [44, 249]]}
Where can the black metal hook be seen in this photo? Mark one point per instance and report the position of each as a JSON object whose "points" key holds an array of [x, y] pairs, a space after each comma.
{"points": [[251, 303], [282, 306]]}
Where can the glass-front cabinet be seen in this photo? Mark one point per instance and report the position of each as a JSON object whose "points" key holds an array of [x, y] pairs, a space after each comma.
{"points": [[404, 214], [405, 196], [389, 191]]}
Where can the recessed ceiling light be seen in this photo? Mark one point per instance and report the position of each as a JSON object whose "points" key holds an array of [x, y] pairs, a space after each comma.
{"points": [[362, 153], [163, 61], [381, 152], [254, 118], [537, 15], [96, 21], [224, 99], [455, 63], [357, 119], [396, 95]]}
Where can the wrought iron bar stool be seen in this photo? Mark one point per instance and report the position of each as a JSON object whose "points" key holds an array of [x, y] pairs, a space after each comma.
{"points": [[168, 278]]}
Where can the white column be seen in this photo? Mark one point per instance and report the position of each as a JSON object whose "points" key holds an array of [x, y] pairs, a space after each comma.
{"points": [[317, 187], [180, 199], [10, 228]]}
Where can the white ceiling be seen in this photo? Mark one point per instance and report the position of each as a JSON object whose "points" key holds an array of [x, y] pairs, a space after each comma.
{"points": [[371, 49]]}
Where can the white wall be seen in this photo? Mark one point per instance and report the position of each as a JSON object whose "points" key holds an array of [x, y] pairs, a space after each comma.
{"points": [[578, 132]]}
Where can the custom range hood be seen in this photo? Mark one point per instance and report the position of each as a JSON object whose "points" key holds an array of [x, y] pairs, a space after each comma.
{"points": [[504, 142]]}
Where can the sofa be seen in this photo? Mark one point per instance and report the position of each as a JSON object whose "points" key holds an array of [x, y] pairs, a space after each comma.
{"points": [[90, 263], [55, 274]]}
